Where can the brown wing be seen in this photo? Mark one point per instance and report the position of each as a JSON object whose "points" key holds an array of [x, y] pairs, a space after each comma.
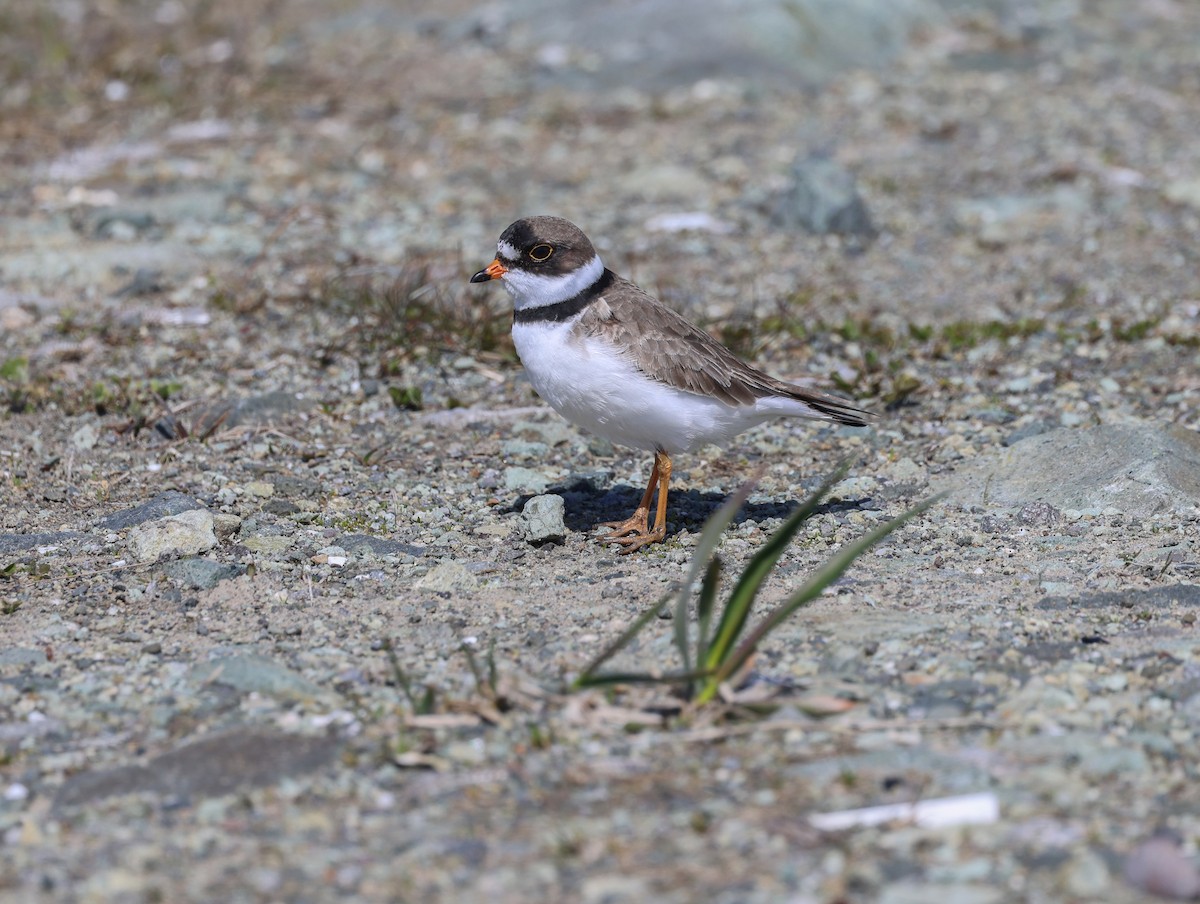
{"points": [[673, 351]]}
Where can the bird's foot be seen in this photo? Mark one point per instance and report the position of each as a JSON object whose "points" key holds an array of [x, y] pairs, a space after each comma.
{"points": [[637, 523], [634, 532], [635, 541]]}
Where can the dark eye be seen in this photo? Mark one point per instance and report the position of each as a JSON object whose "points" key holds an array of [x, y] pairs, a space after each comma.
{"points": [[540, 253]]}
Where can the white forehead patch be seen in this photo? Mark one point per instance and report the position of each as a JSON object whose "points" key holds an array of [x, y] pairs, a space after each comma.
{"points": [[507, 252]]}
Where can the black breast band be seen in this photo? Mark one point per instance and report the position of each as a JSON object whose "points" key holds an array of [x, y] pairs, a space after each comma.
{"points": [[565, 310]]}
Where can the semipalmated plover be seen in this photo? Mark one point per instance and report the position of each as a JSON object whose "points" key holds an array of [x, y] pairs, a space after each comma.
{"points": [[612, 359]]}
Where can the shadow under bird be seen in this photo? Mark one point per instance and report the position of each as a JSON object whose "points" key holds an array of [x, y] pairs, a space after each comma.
{"points": [[614, 360]]}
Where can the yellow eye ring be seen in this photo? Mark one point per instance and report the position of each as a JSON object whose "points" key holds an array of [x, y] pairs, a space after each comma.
{"points": [[541, 252]]}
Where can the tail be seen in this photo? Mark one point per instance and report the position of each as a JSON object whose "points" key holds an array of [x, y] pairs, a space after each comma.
{"points": [[790, 400], [833, 407], [823, 406]]}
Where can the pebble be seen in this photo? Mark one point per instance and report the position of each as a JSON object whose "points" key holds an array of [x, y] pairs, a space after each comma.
{"points": [[448, 576], [823, 199], [181, 535], [1159, 867], [542, 520], [171, 502], [525, 480], [200, 574], [86, 437], [268, 544]]}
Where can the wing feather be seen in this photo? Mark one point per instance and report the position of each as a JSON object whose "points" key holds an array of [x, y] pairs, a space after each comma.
{"points": [[666, 347]]}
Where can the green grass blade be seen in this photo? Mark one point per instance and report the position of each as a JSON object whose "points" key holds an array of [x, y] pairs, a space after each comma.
{"points": [[741, 599], [679, 634], [705, 605], [710, 536], [620, 643], [812, 588]]}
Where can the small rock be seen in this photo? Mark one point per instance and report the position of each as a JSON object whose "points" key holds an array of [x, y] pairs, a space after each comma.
{"points": [[1159, 867], [145, 281], [259, 488], [1086, 876], [689, 221], [448, 576], [215, 765], [542, 520], [905, 472], [86, 437], [13, 318], [1039, 514], [21, 656], [268, 544], [171, 502], [824, 199], [520, 448], [117, 223], [200, 574], [226, 525], [1184, 192], [254, 411], [914, 892], [249, 672], [605, 887], [185, 534], [854, 488], [525, 480], [1136, 469]]}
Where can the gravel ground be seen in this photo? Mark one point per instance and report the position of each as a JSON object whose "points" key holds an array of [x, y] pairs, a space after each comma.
{"points": [[265, 454]]}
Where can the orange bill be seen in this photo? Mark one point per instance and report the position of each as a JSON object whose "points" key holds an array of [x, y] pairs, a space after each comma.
{"points": [[494, 270]]}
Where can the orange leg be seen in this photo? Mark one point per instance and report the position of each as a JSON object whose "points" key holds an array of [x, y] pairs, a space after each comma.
{"points": [[634, 533]]}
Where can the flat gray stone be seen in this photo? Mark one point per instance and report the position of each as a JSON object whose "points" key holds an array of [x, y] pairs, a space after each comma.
{"points": [[200, 574], [21, 657], [171, 502], [86, 436], [10, 543], [1138, 470], [255, 411], [1184, 191], [268, 544], [185, 534], [525, 480], [823, 199], [1182, 596], [212, 766], [542, 520], [448, 577], [249, 672]]}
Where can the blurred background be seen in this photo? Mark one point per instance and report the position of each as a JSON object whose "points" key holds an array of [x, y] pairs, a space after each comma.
{"points": [[911, 177]]}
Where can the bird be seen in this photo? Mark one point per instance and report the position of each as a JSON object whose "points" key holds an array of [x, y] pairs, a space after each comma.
{"points": [[611, 358]]}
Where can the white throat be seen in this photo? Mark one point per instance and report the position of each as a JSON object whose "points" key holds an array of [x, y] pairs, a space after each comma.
{"points": [[535, 290]]}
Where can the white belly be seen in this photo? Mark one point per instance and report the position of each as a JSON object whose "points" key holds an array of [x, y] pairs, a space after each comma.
{"points": [[591, 384]]}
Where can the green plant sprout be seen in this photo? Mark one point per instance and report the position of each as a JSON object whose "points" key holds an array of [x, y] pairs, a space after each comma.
{"points": [[713, 657]]}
